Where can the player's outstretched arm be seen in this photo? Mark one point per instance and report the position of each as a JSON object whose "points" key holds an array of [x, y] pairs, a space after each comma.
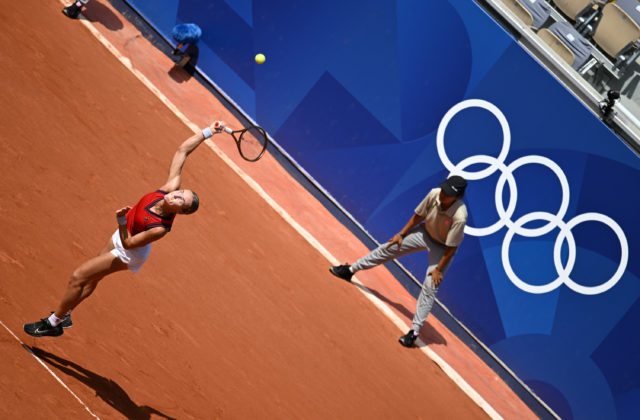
{"points": [[188, 146]]}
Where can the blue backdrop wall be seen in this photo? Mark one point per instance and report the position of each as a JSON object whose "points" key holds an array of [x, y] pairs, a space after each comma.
{"points": [[381, 100]]}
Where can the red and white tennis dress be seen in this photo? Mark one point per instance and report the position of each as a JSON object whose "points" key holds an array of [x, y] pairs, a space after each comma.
{"points": [[139, 219]]}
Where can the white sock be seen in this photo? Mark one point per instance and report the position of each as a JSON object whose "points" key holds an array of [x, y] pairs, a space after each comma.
{"points": [[351, 270], [54, 320], [68, 312]]}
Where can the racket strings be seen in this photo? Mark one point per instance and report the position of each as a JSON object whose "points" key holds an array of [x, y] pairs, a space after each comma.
{"points": [[253, 143]]}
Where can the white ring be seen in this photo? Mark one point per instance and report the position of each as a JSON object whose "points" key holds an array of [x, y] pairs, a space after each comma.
{"points": [[564, 205], [564, 272], [507, 263], [506, 137]]}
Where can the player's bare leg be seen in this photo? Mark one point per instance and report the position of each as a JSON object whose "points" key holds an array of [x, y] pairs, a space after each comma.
{"points": [[82, 283], [88, 289], [85, 278]]}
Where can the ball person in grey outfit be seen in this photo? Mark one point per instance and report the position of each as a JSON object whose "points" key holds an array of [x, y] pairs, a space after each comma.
{"points": [[436, 227]]}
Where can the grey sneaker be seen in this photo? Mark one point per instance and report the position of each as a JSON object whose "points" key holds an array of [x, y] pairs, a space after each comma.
{"points": [[342, 271]]}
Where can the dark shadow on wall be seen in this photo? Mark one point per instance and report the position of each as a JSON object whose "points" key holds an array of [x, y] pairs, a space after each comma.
{"points": [[186, 62], [105, 388]]}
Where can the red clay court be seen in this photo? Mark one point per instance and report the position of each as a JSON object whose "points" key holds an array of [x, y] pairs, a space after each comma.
{"points": [[235, 314]]}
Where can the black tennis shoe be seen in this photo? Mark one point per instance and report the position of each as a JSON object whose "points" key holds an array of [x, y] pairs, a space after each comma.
{"points": [[408, 339], [342, 271], [72, 11], [66, 321], [43, 328]]}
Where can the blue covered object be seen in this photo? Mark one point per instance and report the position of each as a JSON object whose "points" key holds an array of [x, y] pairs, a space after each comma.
{"points": [[186, 33]]}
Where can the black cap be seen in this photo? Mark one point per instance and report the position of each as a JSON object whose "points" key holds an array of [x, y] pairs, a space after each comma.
{"points": [[454, 186]]}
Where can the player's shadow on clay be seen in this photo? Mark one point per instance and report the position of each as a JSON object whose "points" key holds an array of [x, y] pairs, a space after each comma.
{"points": [[99, 13], [428, 334], [105, 388]]}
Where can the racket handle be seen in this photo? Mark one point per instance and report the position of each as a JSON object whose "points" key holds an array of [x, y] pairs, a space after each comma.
{"points": [[219, 126]]}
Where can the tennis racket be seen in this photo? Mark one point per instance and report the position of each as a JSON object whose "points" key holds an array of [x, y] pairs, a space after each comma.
{"points": [[251, 141]]}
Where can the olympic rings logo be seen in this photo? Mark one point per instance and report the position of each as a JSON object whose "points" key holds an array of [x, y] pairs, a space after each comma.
{"points": [[517, 227]]}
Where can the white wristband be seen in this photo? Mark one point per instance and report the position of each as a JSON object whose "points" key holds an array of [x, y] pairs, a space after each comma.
{"points": [[122, 220], [207, 132]]}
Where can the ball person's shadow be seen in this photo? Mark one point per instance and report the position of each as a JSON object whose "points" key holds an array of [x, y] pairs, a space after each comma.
{"points": [[108, 390], [183, 73], [428, 334]]}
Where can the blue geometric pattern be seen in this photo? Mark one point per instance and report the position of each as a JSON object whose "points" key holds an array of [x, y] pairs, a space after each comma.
{"points": [[355, 92]]}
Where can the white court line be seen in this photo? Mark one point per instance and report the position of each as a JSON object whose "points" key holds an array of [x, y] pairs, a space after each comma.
{"points": [[455, 377], [49, 370], [451, 372]]}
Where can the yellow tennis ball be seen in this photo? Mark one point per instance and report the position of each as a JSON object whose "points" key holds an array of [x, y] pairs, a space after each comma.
{"points": [[260, 58]]}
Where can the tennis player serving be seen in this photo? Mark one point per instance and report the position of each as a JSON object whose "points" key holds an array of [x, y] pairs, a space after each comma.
{"points": [[128, 248]]}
